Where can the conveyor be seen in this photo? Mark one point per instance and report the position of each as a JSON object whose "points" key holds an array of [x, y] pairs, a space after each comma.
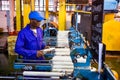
{"points": [[65, 63], [59, 65], [82, 57]]}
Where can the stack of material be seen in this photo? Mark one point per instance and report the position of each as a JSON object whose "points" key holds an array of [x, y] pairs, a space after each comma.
{"points": [[11, 44], [61, 64], [62, 39], [62, 61]]}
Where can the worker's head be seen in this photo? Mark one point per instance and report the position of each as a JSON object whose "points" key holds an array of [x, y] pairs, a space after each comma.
{"points": [[35, 19]]}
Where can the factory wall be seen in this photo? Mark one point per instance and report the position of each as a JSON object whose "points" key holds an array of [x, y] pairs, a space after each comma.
{"points": [[3, 21], [6, 22]]}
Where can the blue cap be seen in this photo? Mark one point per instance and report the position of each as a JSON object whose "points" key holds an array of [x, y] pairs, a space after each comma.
{"points": [[35, 15]]}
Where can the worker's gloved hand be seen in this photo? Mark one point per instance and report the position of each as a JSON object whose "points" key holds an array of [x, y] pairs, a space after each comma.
{"points": [[46, 47], [39, 53], [48, 50]]}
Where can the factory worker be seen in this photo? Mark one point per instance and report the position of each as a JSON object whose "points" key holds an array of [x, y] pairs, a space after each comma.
{"points": [[29, 43]]}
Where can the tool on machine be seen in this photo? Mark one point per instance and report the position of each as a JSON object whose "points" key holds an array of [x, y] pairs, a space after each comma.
{"points": [[50, 32]]}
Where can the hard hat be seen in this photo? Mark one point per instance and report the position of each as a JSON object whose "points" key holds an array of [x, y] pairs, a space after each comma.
{"points": [[36, 15]]}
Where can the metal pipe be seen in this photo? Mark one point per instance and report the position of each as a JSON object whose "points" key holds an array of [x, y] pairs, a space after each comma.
{"points": [[63, 67], [42, 64], [62, 63], [62, 58], [7, 77], [63, 70], [35, 73]]}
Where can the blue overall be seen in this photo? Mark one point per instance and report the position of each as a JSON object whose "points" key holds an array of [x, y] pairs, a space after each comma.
{"points": [[27, 43]]}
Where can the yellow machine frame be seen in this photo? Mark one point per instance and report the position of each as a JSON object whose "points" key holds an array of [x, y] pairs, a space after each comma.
{"points": [[111, 35], [62, 15], [28, 5], [18, 15], [111, 32]]}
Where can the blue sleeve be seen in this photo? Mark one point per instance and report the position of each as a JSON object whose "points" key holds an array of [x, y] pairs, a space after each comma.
{"points": [[43, 43], [20, 49]]}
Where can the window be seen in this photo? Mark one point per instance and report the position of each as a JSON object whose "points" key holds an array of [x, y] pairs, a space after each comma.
{"points": [[4, 5], [40, 5]]}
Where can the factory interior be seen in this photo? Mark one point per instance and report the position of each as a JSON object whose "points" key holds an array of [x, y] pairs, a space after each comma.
{"points": [[82, 38]]}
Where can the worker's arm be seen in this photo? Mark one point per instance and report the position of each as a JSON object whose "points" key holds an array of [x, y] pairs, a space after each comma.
{"points": [[20, 47]]}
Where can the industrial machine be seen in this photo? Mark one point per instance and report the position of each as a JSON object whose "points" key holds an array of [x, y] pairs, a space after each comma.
{"points": [[82, 58], [52, 68], [64, 62], [72, 53], [50, 32]]}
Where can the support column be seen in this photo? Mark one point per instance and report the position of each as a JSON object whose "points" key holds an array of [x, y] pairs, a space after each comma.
{"points": [[47, 10], [33, 5], [26, 11], [62, 15], [18, 15]]}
